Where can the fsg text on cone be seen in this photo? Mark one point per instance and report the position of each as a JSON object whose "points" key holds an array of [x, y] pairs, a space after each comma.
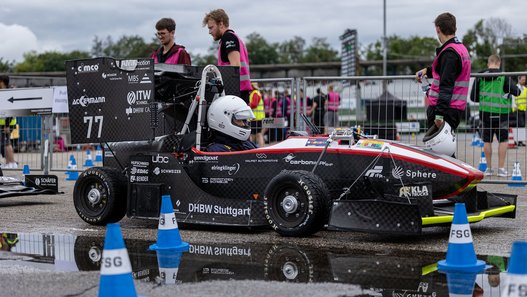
{"points": [[460, 283], [516, 279], [168, 237], [168, 261], [116, 271], [460, 255]]}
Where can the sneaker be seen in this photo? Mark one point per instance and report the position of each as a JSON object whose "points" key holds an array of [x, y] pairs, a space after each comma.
{"points": [[12, 165], [503, 172], [489, 172]]}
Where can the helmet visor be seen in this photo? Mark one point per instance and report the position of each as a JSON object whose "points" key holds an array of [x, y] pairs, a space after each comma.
{"points": [[243, 115]]}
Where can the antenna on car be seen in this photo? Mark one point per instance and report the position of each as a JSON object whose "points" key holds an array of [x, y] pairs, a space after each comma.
{"points": [[314, 129]]}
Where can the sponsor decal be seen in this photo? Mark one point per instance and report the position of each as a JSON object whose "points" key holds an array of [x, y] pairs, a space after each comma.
{"points": [[205, 159], [160, 159], [140, 178], [216, 180], [375, 172], [373, 144], [158, 171], [136, 170], [261, 156], [133, 78], [397, 172], [218, 210], [291, 160], [131, 65], [231, 169], [138, 97], [110, 76], [420, 174], [139, 163], [145, 79], [46, 181], [316, 142], [131, 110], [261, 161], [219, 251], [88, 68], [85, 101], [414, 191]]}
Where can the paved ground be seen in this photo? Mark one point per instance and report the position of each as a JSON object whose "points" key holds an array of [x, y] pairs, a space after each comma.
{"points": [[55, 214]]}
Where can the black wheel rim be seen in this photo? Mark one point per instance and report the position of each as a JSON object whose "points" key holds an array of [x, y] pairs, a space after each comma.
{"points": [[290, 206], [94, 196]]}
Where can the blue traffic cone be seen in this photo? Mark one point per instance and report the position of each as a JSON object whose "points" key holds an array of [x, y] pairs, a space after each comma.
{"points": [[516, 175], [516, 279], [476, 140], [168, 262], [72, 173], [460, 256], [482, 162], [98, 154], [460, 284], [26, 170], [116, 271], [89, 161], [168, 237]]}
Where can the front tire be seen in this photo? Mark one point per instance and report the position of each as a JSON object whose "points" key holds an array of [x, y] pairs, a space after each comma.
{"points": [[99, 195], [296, 203]]}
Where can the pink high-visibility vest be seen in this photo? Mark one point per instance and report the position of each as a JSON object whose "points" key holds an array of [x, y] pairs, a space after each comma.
{"points": [[245, 77], [461, 85]]}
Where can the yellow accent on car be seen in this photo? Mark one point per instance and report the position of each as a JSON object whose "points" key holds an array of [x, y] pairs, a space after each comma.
{"points": [[471, 219]]}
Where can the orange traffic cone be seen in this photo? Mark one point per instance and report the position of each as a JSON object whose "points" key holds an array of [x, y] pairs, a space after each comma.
{"points": [[512, 143]]}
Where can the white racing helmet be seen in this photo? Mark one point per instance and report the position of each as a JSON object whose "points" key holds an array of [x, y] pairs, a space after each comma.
{"points": [[441, 140], [230, 115]]}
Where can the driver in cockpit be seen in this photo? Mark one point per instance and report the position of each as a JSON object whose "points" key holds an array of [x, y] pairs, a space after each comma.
{"points": [[229, 117]]}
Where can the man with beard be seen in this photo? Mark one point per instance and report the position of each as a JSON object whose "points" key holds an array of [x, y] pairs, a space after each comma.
{"points": [[232, 50]]}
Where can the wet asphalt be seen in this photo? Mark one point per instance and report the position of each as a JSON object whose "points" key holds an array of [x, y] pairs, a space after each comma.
{"points": [[55, 214]]}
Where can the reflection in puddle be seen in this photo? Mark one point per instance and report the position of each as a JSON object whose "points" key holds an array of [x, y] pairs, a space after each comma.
{"points": [[392, 273]]}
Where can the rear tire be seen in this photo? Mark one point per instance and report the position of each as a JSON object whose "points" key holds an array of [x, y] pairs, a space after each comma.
{"points": [[296, 203], [99, 195]]}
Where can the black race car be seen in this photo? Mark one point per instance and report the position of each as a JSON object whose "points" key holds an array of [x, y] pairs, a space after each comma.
{"points": [[345, 180]]}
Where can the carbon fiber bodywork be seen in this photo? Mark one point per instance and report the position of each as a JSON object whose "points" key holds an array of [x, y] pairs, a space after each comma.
{"points": [[378, 192]]}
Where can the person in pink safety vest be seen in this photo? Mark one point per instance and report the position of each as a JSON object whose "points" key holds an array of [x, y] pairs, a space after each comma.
{"points": [[169, 52], [450, 76], [232, 50], [331, 119]]}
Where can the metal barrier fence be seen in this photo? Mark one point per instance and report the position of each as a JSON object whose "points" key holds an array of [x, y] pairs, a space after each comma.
{"points": [[393, 107]]}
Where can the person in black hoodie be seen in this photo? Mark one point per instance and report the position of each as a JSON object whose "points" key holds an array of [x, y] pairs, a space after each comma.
{"points": [[494, 94]]}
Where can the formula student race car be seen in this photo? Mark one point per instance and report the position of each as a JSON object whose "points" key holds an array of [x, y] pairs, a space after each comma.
{"points": [[345, 180]]}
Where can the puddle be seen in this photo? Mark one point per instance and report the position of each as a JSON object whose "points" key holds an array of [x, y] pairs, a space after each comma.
{"points": [[388, 273]]}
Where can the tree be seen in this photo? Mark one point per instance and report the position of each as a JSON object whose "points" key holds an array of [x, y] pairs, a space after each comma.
{"points": [[260, 51], [320, 51], [481, 43], [414, 48], [494, 36], [291, 51], [127, 47], [48, 61], [206, 59], [6, 66]]}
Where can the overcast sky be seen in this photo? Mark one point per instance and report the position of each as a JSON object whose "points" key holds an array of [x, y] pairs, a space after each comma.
{"points": [[72, 25]]}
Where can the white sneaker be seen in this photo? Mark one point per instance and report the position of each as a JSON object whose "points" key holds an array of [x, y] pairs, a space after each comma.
{"points": [[502, 172], [12, 165], [489, 172]]}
